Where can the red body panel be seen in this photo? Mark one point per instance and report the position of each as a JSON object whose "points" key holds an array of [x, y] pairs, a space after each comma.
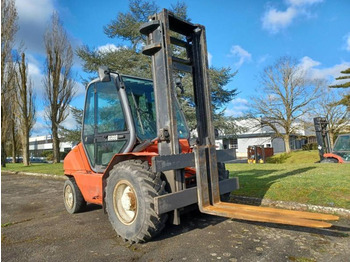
{"points": [[331, 155], [90, 183], [77, 165]]}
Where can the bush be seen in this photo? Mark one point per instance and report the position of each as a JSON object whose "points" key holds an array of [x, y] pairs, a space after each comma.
{"points": [[48, 155], [311, 146]]}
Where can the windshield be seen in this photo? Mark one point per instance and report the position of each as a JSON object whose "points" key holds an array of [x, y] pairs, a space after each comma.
{"points": [[141, 99], [342, 143]]}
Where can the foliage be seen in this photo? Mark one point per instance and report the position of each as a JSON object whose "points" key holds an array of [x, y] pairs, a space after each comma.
{"points": [[346, 97], [25, 104], [335, 113], [73, 135], [345, 84], [284, 98], [59, 85], [129, 60], [310, 146], [9, 27], [127, 25], [48, 154]]}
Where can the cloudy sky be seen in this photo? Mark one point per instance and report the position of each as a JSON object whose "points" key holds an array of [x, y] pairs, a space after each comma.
{"points": [[243, 35]]}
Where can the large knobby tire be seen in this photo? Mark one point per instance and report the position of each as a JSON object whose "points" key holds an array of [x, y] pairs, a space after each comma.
{"points": [[329, 160], [130, 192], [72, 197], [223, 174]]}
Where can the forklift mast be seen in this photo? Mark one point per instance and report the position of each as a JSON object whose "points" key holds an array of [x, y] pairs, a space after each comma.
{"points": [[160, 32], [322, 136]]}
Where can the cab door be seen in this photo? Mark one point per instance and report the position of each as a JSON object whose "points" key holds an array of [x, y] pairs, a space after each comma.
{"points": [[105, 131]]}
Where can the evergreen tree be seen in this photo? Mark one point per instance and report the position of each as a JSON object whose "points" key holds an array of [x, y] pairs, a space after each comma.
{"points": [[128, 59], [346, 98]]}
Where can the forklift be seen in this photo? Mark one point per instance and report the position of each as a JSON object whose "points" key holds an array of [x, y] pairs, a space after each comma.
{"points": [[341, 149], [135, 158]]}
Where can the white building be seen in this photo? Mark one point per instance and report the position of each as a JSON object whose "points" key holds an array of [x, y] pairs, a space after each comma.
{"points": [[39, 144], [256, 134]]}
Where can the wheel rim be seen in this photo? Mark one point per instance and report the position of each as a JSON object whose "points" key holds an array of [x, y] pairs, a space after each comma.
{"points": [[125, 202], [68, 196]]}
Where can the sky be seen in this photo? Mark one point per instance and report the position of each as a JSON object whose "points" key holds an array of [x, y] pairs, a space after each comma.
{"points": [[246, 36]]}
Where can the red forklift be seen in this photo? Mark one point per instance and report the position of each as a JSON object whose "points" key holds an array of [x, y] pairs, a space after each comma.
{"points": [[340, 153], [135, 158]]}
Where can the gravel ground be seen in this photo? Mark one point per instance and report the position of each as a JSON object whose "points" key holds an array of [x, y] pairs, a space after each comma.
{"points": [[36, 227]]}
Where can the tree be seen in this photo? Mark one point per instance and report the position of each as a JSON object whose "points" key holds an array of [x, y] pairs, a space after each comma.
{"points": [[9, 28], [59, 85], [335, 113], [25, 109], [346, 97], [73, 135], [127, 25], [284, 97], [344, 84], [130, 60]]}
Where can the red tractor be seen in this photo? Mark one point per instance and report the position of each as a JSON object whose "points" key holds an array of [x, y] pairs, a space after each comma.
{"points": [[135, 158]]}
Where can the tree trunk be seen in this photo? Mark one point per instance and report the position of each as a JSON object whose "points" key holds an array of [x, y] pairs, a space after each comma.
{"points": [[55, 145], [3, 155], [331, 140], [25, 148], [14, 143], [286, 143]]}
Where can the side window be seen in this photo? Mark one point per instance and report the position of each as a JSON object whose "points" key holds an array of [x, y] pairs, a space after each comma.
{"points": [[110, 116], [105, 131], [89, 124]]}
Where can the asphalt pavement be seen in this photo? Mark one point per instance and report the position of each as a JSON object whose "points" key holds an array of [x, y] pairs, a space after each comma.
{"points": [[36, 227]]}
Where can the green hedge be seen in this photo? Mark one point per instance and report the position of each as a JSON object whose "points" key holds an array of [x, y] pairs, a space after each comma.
{"points": [[311, 146], [49, 155]]}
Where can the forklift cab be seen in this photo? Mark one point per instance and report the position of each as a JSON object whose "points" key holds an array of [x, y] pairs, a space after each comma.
{"points": [[120, 114]]}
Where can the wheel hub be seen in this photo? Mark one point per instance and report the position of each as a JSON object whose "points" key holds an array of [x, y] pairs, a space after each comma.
{"points": [[125, 202], [68, 196]]}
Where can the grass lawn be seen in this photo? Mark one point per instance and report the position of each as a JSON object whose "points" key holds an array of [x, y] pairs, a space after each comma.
{"points": [[297, 179], [44, 168]]}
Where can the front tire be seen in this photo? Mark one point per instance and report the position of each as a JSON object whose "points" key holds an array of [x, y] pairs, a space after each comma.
{"points": [[130, 192], [72, 197]]}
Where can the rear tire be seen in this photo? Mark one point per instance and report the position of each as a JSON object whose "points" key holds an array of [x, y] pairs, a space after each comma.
{"points": [[130, 192], [72, 197]]}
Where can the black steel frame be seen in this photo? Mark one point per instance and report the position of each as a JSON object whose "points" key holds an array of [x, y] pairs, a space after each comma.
{"points": [[171, 162], [322, 136]]}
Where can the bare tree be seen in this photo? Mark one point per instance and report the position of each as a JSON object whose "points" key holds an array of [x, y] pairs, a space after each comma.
{"points": [[59, 85], [25, 110], [284, 97], [335, 113], [9, 28]]}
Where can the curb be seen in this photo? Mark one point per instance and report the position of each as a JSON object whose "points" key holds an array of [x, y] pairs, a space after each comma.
{"points": [[343, 212], [238, 199], [51, 176]]}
